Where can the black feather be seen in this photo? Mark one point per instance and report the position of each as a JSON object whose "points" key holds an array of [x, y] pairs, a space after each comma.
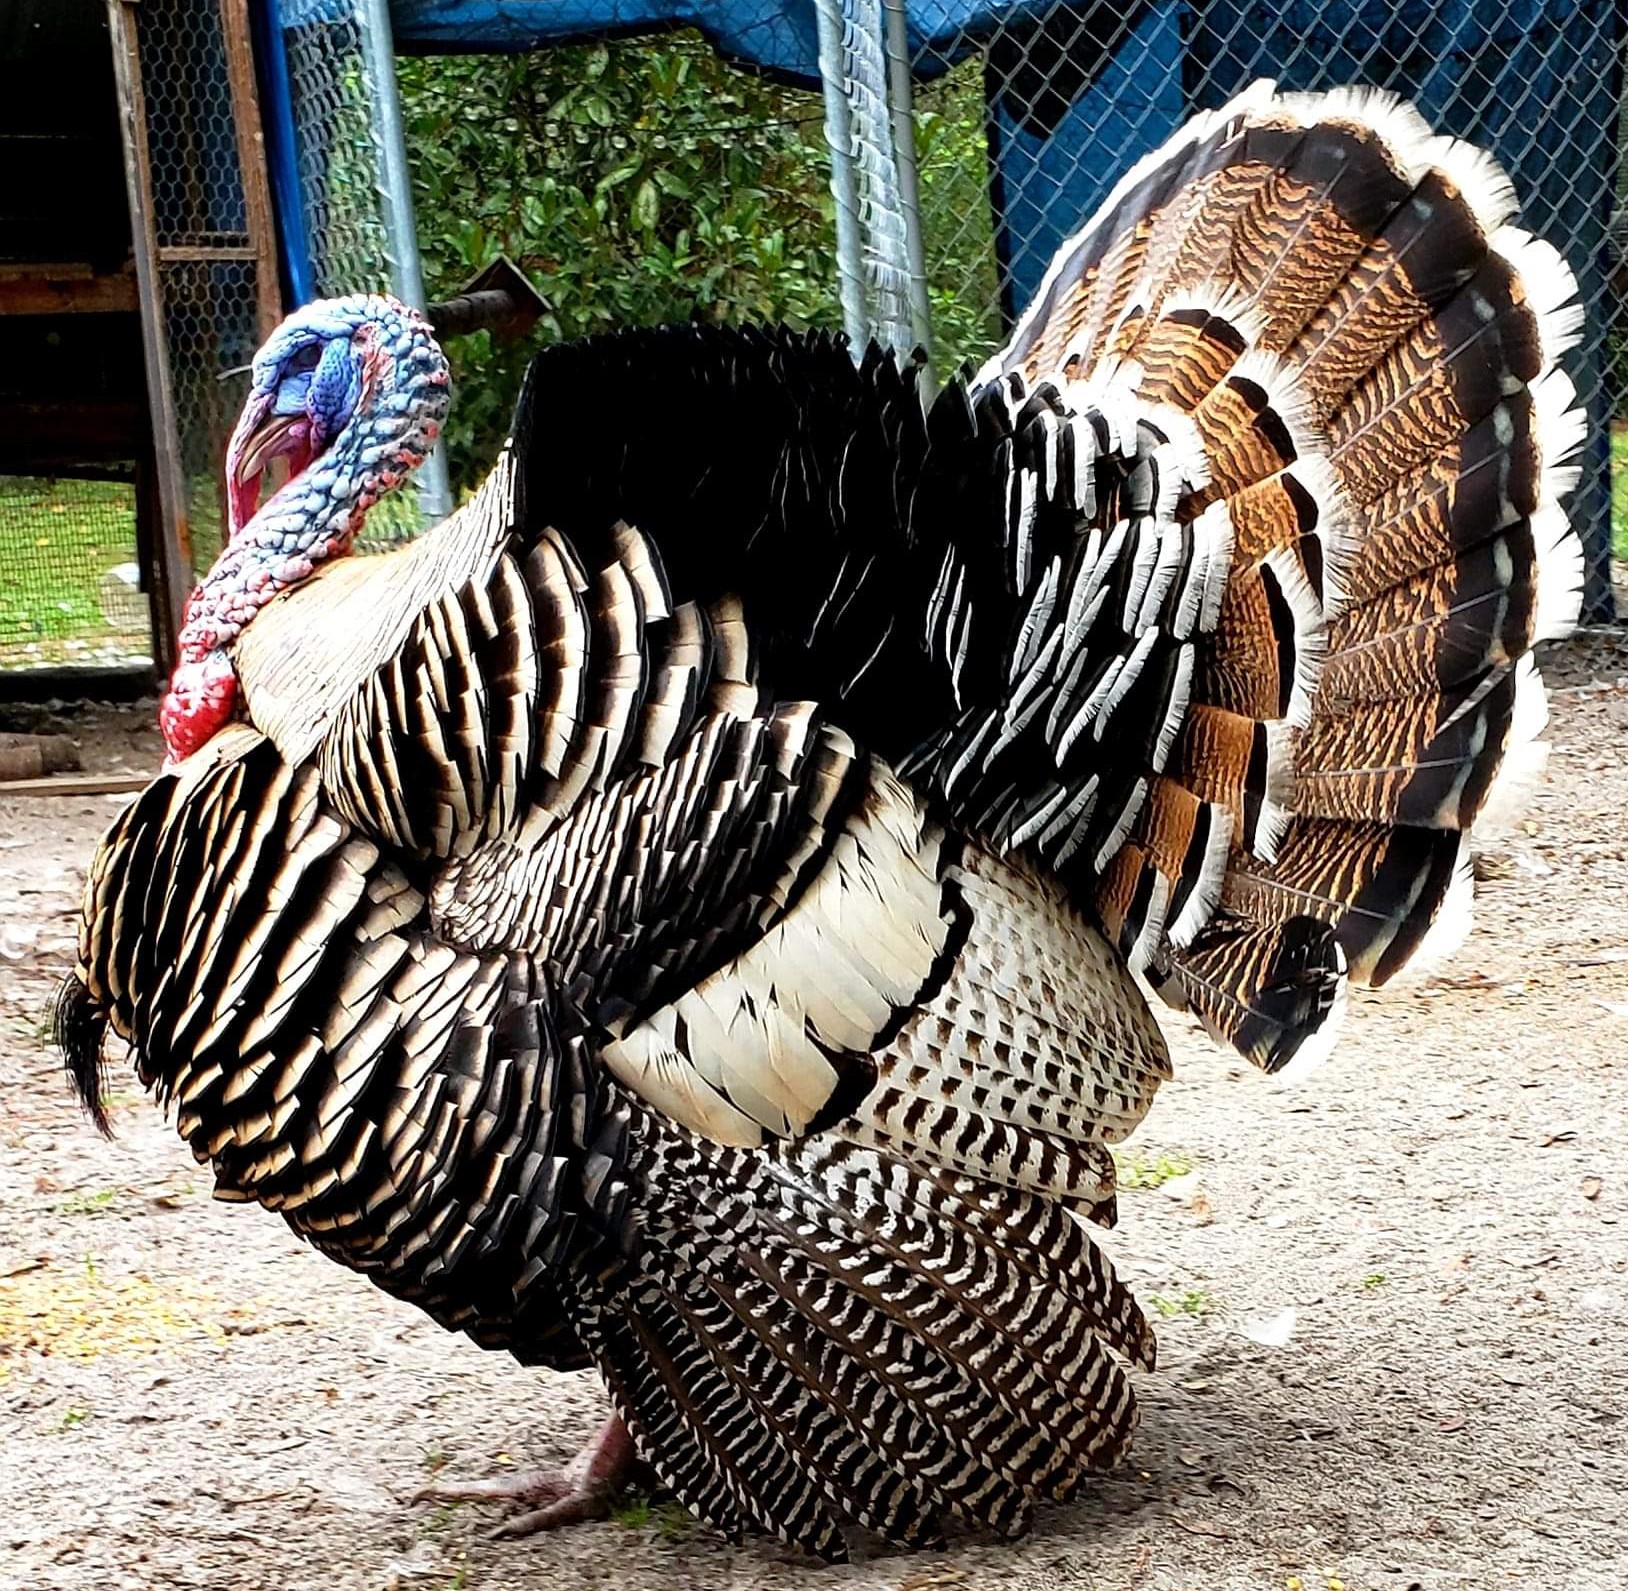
{"points": [[78, 1024]]}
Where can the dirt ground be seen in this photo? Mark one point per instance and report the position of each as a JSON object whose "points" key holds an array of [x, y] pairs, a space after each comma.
{"points": [[192, 1399]]}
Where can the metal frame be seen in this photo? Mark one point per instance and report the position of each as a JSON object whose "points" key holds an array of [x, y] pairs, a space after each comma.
{"points": [[171, 552], [396, 187]]}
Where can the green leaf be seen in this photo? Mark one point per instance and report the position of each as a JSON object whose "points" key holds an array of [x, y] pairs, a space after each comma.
{"points": [[646, 206]]}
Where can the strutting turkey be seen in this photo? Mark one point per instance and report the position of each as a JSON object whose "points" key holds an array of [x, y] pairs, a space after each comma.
{"points": [[685, 913]]}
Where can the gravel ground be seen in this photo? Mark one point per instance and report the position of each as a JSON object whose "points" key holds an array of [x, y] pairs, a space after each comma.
{"points": [[1396, 1351]]}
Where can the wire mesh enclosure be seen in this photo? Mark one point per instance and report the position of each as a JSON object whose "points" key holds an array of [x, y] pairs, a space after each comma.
{"points": [[340, 170], [211, 239], [902, 167], [128, 285], [1071, 94]]}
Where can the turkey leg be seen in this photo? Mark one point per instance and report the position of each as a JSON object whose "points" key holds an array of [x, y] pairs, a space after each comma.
{"points": [[578, 1494]]}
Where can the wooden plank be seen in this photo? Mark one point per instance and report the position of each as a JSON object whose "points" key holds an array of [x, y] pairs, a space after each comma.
{"points": [[78, 784], [174, 560], [251, 161], [57, 270], [51, 294], [149, 528], [206, 253]]}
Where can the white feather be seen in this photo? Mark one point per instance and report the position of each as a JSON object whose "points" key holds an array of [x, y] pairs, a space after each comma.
{"points": [[1310, 634], [1525, 755], [1451, 925], [1560, 560], [1201, 900], [1122, 826], [1316, 1048], [1562, 429], [1550, 289]]}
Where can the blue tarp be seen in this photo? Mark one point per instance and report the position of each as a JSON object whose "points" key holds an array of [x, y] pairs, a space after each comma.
{"points": [[779, 35]]}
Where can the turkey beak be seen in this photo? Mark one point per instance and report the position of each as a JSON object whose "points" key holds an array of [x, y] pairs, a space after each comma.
{"points": [[259, 438]]}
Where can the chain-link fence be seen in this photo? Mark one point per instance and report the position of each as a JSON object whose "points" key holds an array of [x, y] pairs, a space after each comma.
{"points": [[338, 164], [581, 159], [1022, 114]]}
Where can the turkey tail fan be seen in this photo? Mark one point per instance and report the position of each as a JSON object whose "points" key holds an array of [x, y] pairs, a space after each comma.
{"points": [[1324, 323]]}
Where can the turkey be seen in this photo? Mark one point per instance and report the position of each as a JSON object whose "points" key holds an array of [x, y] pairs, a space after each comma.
{"points": [[694, 913]]}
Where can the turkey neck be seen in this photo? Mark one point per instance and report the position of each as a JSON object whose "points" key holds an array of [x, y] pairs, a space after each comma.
{"points": [[312, 519]]}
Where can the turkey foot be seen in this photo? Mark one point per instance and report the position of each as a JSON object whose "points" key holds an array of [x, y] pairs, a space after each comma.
{"points": [[579, 1494]]}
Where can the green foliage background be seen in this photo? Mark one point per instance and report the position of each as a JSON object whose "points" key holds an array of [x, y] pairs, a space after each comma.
{"points": [[646, 181]]}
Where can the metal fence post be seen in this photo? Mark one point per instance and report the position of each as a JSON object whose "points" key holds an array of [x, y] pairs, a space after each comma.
{"points": [[395, 185], [839, 138], [904, 151]]}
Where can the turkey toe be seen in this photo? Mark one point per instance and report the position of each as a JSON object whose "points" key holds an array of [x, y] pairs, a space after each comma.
{"points": [[576, 1495]]}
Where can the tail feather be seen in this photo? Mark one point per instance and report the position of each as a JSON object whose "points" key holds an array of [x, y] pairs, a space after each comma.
{"points": [[79, 1025], [1329, 304]]}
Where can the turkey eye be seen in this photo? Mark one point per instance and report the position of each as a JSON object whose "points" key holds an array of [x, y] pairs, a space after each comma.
{"points": [[303, 360]]}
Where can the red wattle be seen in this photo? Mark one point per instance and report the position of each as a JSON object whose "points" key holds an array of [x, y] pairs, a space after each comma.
{"points": [[201, 700]]}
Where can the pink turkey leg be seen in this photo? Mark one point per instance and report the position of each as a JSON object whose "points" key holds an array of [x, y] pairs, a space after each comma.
{"points": [[578, 1494]]}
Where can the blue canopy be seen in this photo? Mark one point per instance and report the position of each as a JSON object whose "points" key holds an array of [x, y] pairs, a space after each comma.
{"points": [[779, 35]]}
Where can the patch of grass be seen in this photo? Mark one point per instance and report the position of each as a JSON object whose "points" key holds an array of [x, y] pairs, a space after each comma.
{"points": [[671, 1521], [459, 1581], [1134, 1169], [57, 540], [434, 1460], [74, 1416], [1374, 1279], [83, 1203], [437, 1523], [1619, 489], [1195, 1301]]}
